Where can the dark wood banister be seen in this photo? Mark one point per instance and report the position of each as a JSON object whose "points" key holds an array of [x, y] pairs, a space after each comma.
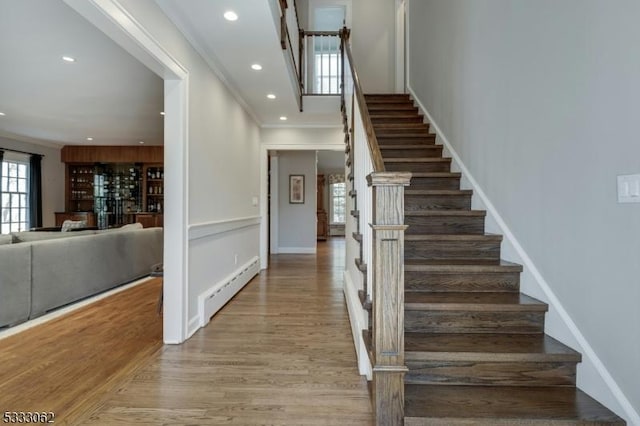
{"points": [[372, 141], [285, 39], [322, 33]]}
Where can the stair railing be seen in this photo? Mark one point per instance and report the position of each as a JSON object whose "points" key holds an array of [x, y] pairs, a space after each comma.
{"points": [[321, 64], [290, 41], [379, 201]]}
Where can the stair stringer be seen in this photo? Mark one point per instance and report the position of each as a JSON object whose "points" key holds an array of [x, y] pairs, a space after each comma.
{"points": [[359, 322], [593, 376]]}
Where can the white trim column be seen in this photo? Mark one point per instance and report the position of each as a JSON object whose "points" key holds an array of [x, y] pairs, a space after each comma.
{"points": [[400, 83], [116, 22]]}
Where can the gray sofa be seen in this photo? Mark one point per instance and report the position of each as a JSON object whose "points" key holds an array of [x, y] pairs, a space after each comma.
{"points": [[42, 271]]}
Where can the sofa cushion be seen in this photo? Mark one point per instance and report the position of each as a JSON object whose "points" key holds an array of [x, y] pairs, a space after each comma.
{"points": [[69, 269], [15, 283], [131, 227], [6, 239], [30, 236]]}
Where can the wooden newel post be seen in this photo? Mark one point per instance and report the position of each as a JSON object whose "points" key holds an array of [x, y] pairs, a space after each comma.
{"points": [[388, 295]]}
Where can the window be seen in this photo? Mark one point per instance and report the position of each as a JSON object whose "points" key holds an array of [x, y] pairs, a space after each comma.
{"points": [[328, 75], [338, 202], [14, 187]]}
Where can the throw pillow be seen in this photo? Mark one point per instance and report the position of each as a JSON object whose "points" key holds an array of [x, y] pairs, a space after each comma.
{"points": [[131, 227], [6, 239], [67, 225]]}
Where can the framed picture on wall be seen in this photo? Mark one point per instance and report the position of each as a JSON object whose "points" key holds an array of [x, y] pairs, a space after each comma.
{"points": [[296, 189]]}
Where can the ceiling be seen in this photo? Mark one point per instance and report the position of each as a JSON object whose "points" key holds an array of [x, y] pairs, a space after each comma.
{"points": [[106, 94], [232, 47], [111, 97]]}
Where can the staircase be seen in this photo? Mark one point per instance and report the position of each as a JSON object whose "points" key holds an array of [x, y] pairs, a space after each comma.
{"points": [[474, 345]]}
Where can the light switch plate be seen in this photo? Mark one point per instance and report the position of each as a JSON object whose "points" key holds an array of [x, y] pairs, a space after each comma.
{"points": [[629, 189], [254, 201]]}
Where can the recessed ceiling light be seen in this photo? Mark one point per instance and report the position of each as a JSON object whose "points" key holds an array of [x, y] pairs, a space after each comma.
{"points": [[141, 142], [283, 118], [230, 16], [271, 96], [89, 139], [161, 112], [2, 114], [68, 59], [256, 67]]}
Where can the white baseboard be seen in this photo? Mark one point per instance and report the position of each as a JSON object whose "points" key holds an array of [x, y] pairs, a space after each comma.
{"points": [[212, 300], [193, 326], [602, 386], [358, 322], [296, 250]]}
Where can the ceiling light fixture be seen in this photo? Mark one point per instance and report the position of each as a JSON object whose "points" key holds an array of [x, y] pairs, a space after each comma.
{"points": [[256, 67], [2, 114], [89, 139], [230, 15], [283, 118], [271, 96], [68, 59]]}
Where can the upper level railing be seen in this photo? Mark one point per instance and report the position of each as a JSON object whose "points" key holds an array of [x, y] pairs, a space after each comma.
{"points": [[290, 42], [321, 66], [351, 85]]}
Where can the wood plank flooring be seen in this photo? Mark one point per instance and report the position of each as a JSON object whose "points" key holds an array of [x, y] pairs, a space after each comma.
{"points": [[280, 353], [67, 364]]}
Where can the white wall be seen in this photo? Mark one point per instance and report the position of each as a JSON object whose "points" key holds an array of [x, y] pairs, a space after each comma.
{"points": [[297, 222], [541, 100], [373, 30], [222, 164], [52, 176], [292, 136], [373, 44]]}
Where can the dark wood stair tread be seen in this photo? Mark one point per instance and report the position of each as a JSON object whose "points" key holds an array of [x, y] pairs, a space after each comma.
{"points": [[415, 146], [391, 95], [364, 299], [438, 213], [392, 106], [461, 266], [486, 347], [418, 160], [451, 262], [380, 114], [436, 175], [401, 125], [388, 101], [388, 133], [461, 237], [502, 405], [467, 301], [410, 191], [411, 136]]}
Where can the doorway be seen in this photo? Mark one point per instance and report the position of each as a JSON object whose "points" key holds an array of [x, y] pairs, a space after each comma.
{"points": [[115, 21]]}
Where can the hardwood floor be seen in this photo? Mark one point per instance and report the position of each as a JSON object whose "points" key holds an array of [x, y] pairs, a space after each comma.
{"points": [[66, 365], [279, 353]]}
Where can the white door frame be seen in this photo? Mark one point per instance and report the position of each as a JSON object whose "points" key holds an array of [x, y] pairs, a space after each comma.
{"points": [[264, 182], [115, 21], [400, 83]]}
